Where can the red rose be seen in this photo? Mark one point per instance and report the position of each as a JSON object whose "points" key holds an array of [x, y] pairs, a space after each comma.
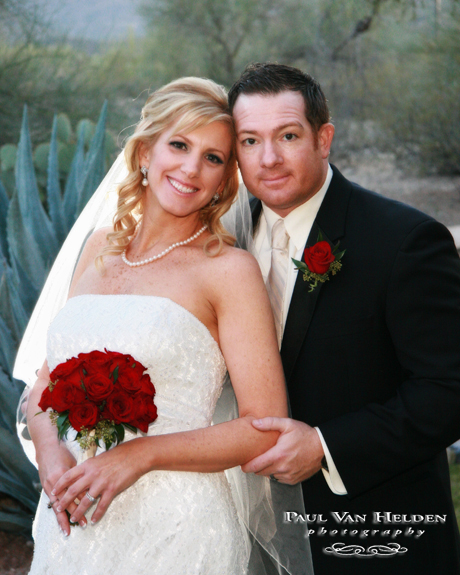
{"points": [[84, 415], [128, 373], [65, 395], [129, 380], [144, 412], [45, 400], [147, 386], [95, 361], [98, 386], [319, 257], [119, 407], [70, 371]]}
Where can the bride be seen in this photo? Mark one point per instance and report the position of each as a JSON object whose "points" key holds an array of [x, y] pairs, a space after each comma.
{"points": [[165, 285]]}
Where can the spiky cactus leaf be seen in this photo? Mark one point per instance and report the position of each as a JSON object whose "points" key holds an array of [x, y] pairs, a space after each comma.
{"points": [[94, 161], [18, 476], [28, 293], [55, 207], [4, 204], [8, 348], [11, 308], [74, 183], [33, 214], [23, 245], [9, 400]]}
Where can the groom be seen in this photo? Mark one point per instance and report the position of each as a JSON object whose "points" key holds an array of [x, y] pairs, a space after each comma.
{"points": [[371, 354]]}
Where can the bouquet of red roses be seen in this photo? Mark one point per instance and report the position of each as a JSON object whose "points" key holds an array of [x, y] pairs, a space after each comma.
{"points": [[99, 394]]}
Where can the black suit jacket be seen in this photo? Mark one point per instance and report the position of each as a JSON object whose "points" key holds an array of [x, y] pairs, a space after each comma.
{"points": [[372, 357]]}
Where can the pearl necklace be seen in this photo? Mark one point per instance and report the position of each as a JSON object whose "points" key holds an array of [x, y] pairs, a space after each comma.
{"points": [[163, 253]]}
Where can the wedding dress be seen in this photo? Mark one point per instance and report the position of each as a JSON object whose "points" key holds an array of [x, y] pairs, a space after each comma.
{"points": [[167, 522]]}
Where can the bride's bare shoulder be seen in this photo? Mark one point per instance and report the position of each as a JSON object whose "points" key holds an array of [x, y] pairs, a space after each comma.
{"points": [[97, 240], [93, 245], [234, 266]]}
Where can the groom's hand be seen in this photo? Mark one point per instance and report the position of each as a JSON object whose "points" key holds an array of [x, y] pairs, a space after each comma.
{"points": [[295, 457]]}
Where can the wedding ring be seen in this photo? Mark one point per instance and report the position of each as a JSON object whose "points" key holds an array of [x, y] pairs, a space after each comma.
{"points": [[51, 503], [90, 497]]}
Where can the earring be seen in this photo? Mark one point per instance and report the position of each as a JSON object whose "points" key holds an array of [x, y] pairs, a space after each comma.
{"points": [[144, 171], [215, 199]]}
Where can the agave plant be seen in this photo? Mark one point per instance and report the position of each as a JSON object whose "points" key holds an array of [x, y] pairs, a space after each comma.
{"points": [[29, 241]]}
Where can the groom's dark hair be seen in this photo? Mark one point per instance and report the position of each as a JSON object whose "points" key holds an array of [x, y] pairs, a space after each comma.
{"points": [[271, 79]]}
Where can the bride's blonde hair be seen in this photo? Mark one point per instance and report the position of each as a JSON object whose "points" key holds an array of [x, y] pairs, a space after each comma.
{"points": [[190, 103]]}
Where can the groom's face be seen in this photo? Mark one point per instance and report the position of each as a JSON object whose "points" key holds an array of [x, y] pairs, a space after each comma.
{"points": [[282, 161]]}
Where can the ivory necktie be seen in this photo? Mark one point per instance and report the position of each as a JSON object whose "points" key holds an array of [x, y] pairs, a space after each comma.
{"points": [[277, 276]]}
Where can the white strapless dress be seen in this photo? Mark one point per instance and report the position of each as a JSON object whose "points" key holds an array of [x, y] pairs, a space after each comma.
{"points": [[178, 523]]}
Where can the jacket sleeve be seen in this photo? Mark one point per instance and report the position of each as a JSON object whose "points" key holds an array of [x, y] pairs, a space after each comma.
{"points": [[383, 440]]}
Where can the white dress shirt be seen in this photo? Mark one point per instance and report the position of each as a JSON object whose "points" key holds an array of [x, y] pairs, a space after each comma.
{"points": [[298, 224]]}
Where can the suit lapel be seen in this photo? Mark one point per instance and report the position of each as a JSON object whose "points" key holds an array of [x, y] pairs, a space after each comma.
{"points": [[330, 220], [301, 310]]}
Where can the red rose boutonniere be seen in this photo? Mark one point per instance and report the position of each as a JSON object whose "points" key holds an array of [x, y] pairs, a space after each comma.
{"points": [[320, 261]]}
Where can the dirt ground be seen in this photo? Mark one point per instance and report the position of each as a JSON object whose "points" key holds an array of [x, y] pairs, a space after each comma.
{"points": [[435, 195], [15, 554]]}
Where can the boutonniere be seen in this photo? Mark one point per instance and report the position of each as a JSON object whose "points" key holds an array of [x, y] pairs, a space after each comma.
{"points": [[320, 261]]}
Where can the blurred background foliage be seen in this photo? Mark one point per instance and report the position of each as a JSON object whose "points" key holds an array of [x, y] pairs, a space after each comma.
{"points": [[390, 68]]}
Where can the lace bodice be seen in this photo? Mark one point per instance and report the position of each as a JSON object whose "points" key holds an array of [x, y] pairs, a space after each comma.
{"points": [[167, 522]]}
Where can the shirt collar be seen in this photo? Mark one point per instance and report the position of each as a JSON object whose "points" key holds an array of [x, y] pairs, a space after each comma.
{"points": [[296, 221]]}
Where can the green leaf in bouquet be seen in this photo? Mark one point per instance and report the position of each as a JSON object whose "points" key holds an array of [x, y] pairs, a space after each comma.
{"points": [[62, 418], [339, 255], [300, 265], [120, 432], [115, 374]]}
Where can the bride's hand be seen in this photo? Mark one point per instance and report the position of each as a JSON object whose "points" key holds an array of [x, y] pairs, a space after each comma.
{"points": [[51, 467], [103, 477]]}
